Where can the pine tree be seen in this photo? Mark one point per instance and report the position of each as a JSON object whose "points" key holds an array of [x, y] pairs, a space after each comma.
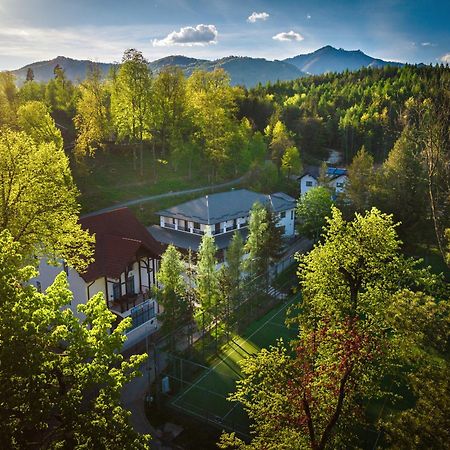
{"points": [[171, 293], [208, 293]]}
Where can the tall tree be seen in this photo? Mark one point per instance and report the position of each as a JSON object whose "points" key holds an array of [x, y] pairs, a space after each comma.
{"points": [[131, 102], [432, 132], [310, 396], [263, 244], [281, 140], [290, 162], [232, 271], [30, 75], [171, 293], [312, 210], [35, 120], [213, 107], [400, 188], [8, 99], [169, 107], [360, 181], [38, 200], [208, 291], [92, 118], [60, 378]]}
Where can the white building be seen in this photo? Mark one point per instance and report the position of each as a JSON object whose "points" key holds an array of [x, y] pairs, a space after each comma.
{"points": [[124, 270], [337, 179], [183, 225]]}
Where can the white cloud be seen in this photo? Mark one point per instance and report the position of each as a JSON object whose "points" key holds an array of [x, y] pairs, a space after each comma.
{"points": [[288, 36], [446, 58], [198, 35], [255, 16], [308, 16], [426, 44]]}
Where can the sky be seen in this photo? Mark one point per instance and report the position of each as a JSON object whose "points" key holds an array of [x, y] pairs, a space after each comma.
{"points": [[100, 30]]}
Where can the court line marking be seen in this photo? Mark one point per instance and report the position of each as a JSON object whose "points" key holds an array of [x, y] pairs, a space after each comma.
{"points": [[232, 350]]}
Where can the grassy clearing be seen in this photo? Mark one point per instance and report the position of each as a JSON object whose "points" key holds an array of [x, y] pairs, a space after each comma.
{"points": [[110, 178]]}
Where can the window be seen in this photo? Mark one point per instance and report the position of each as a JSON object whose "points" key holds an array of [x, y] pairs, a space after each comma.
{"points": [[217, 228], [117, 291], [309, 184], [196, 225], [142, 313], [39, 286], [129, 285], [339, 185], [282, 214], [292, 214]]}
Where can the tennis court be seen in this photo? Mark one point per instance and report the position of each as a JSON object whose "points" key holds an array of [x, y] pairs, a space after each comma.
{"points": [[206, 396]]}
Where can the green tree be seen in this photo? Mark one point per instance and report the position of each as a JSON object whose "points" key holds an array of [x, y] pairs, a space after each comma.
{"points": [[38, 200], [131, 102], [35, 120], [8, 99], [312, 210], [208, 291], [263, 245], [60, 93], [171, 293], [92, 118], [280, 142], [60, 378], [349, 339], [232, 270], [213, 106], [400, 188], [30, 74], [360, 181], [290, 162], [169, 107]]}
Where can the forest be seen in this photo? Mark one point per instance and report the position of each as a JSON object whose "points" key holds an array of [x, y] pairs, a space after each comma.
{"points": [[374, 318]]}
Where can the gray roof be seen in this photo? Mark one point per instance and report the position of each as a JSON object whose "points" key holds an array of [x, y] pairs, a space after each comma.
{"points": [[215, 208], [190, 241]]}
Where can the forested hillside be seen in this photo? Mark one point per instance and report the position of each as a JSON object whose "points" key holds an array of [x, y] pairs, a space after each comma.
{"points": [[347, 110], [181, 132]]}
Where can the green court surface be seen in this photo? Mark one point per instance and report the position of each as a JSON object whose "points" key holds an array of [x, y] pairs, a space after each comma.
{"points": [[206, 396]]}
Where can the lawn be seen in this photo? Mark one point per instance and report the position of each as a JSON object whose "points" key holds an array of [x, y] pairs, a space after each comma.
{"points": [[206, 396], [110, 178]]}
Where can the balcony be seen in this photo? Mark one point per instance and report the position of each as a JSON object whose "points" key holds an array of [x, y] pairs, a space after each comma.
{"points": [[169, 225], [128, 301]]}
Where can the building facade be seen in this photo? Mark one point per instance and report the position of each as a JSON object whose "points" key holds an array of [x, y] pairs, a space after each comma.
{"points": [[224, 213], [126, 260], [336, 179]]}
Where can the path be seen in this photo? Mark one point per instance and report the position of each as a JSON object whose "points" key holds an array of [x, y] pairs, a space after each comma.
{"points": [[150, 198]]}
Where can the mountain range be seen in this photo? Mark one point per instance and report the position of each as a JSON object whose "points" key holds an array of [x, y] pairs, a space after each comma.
{"points": [[243, 70]]}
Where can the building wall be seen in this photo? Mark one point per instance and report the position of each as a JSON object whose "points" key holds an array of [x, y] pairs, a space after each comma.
{"points": [[288, 222], [48, 273], [307, 182], [339, 183]]}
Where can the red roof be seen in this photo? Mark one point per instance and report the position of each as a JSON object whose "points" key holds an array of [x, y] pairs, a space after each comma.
{"points": [[119, 236]]}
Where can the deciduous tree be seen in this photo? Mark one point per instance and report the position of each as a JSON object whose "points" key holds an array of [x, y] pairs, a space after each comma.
{"points": [[312, 210], [38, 200], [60, 378]]}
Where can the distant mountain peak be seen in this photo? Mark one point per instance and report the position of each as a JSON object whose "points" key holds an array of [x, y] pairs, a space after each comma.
{"points": [[243, 70], [330, 59]]}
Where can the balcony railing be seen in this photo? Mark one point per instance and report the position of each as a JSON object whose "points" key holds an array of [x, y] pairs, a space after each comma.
{"points": [[169, 225]]}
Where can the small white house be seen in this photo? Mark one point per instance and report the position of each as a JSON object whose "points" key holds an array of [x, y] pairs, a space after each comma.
{"points": [[337, 179], [126, 260]]}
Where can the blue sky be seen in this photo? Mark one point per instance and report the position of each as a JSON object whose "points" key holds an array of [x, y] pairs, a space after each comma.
{"points": [[100, 30]]}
